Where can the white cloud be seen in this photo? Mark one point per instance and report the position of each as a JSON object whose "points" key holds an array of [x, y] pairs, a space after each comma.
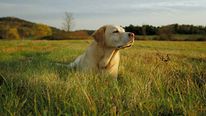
{"points": [[92, 13]]}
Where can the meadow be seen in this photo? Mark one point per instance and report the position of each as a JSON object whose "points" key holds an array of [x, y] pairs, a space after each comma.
{"points": [[155, 78]]}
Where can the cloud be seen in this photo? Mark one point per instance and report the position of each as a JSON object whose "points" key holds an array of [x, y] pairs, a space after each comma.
{"points": [[92, 13]]}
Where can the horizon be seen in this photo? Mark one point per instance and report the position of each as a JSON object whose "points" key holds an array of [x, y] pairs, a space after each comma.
{"points": [[91, 14]]}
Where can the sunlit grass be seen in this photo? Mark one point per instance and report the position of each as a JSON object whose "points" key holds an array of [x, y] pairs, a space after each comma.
{"points": [[155, 78]]}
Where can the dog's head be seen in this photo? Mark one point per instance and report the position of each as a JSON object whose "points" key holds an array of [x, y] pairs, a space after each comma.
{"points": [[113, 36]]}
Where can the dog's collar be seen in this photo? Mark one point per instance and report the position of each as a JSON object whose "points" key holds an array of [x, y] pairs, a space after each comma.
{"points": [[123, 47], [113, 54]]}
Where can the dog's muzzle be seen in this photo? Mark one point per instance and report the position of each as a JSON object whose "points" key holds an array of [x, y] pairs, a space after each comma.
{"points": [[130, 43]]}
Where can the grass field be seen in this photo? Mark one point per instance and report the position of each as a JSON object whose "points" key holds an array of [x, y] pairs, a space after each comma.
{"points": [[156, 78]]}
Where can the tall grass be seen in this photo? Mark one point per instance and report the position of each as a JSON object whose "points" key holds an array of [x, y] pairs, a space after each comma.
{"points": [[155, 78]]}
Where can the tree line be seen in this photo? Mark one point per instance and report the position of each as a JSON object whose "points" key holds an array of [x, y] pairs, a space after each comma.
{"points": [[170, 29], [35, 31]]}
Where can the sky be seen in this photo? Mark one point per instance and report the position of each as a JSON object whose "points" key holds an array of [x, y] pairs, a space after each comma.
{"points": [[91, 14]]}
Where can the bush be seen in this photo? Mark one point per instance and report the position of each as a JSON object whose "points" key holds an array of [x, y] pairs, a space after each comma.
{"points": [[41, 30], [77, 35], [2, 33], [13, 34], [9, 33], [25, 32]]}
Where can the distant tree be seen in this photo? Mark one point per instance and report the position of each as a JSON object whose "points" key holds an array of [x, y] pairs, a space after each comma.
{"points": [[2, 33], [142, 30], [68, 21], [41, 30], [26, 32], [166, 32], [12, 33], [130, 28]]}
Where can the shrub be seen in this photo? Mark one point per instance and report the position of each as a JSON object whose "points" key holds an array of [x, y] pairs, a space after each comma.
{"points": [[13, 34], [9, 33], [165, 33], [25, 32], [41, 30]]}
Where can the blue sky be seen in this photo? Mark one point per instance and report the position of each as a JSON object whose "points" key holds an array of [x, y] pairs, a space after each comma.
{"points": [[91, 14]]}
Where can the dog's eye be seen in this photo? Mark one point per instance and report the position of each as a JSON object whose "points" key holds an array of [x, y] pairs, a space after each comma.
{"points": [[116, 31]]}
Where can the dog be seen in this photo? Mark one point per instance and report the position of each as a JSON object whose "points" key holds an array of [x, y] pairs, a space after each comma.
{"points": [[103, 55]]}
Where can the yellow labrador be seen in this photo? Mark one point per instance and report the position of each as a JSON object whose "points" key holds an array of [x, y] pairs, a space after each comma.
{"points": [[103, 53]]}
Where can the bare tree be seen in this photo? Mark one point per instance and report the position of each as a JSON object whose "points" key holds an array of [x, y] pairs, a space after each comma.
{"points": [[68, 21]]}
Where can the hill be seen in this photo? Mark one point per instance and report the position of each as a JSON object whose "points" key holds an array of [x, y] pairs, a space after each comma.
{"points": [[16, 28]]}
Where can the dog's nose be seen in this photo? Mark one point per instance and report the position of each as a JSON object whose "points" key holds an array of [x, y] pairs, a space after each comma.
{"points": [[131, 34]]}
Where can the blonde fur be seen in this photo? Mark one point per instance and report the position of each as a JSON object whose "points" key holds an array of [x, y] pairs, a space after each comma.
{"points": [[103, 54]]}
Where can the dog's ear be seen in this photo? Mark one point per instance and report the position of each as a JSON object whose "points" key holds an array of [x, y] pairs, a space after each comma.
{"points": [[99, 35]]}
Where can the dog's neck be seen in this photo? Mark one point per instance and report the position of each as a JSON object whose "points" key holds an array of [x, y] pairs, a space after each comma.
{"points": [[110, 56], [106, 54]]}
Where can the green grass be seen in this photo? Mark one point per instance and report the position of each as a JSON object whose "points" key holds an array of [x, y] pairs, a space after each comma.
{"points": [[156, 78]]}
